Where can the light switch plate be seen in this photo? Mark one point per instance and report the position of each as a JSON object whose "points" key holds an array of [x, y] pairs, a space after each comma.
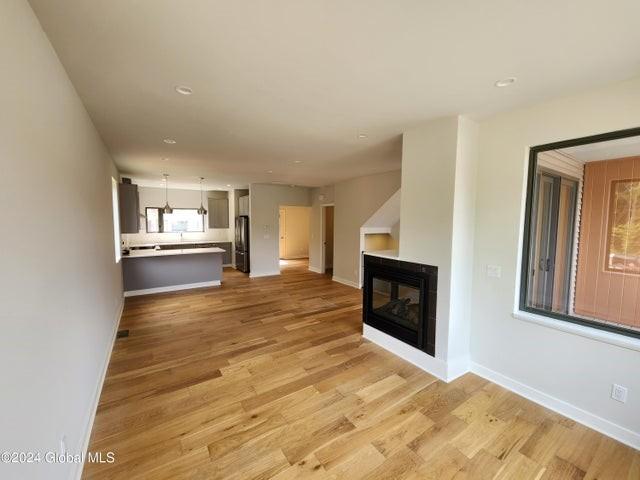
{"points": [[494, 271]]}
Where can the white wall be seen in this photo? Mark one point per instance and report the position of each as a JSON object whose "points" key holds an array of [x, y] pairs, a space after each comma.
{"points": [[388, 215], [462, 244], [155, 197], [437, 222], [355, 201], [60, 288], [560, 366], [264, 203]]}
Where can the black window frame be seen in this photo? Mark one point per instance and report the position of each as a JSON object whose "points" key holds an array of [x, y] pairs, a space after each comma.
{"points": [[161, 220], [525, 263]]}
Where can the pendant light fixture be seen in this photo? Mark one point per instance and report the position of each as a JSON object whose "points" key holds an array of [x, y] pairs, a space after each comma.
{"points": [[167, 208], [201, 210]]}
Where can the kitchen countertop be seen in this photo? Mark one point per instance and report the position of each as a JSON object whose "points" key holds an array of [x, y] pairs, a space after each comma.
{"points": [[185, 242], [163, 253]]}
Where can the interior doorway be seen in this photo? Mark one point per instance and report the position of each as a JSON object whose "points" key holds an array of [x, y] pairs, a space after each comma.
{"points": [[282, 233], [293, 233], [327, 238]]}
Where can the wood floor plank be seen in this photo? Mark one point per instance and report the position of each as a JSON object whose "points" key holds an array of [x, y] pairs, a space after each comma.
{"points": [[271, 378], [359, 464]]}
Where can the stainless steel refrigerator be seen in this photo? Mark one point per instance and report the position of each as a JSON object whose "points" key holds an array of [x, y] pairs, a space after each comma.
{"points": [[242, 243]]}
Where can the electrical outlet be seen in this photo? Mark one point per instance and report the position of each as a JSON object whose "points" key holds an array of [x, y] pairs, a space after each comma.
{"points": [[619, 393], [494, 271]]}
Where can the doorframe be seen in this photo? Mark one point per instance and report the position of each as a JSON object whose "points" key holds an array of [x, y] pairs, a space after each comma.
{"points": [[281, 208], [323, 206]]}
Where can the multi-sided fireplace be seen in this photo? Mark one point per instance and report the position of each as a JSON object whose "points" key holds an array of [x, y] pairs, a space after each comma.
{"points": [[400, 300]]}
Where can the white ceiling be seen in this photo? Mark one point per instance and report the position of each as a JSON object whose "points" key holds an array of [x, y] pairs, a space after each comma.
{"points": [[611, 149], [279, 81]]}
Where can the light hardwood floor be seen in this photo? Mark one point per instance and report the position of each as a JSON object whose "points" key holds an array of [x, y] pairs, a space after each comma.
{"points": [[270, 378]]}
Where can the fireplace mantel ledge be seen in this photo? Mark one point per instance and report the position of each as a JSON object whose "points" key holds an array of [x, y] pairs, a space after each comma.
{"points": [[392, 254]]}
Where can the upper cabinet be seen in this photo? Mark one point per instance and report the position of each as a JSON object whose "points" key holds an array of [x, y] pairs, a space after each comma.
{"points": [[218, 203], [129, 203], [243, 205]]}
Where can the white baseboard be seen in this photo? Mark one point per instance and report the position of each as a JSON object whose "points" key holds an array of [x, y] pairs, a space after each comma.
{"points": [[344, 281], [78, 467], [610, 429], [172, 288], [264, 274], [456, 367], [420, 359], [315, 269]]}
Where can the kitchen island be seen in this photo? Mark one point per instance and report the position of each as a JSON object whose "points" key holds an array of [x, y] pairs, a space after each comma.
{"points": [[150, 270]]}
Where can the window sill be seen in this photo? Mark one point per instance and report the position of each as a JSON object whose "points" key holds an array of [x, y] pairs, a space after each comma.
{"points": [[583, 331]]}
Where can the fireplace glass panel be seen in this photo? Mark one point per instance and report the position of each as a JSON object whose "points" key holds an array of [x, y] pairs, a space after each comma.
{"points": [[396, 302]]}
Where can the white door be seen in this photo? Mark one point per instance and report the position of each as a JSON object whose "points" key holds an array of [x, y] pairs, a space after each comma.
{"points": [[282, 233]]}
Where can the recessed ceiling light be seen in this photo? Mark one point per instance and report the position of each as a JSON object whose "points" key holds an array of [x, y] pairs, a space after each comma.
{"points": [[505, 82], [228, 184], [362, 135], [297, 161], [166, 159], [269, 171], [170, 141], [184, 90]]}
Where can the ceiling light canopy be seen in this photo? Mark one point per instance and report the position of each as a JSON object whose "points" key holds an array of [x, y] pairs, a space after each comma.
{"points": [[505, 82], [170, 141], [184, 90]]}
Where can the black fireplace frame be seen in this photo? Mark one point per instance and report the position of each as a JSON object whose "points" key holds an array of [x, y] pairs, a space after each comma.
{"points": [[423, 277]]}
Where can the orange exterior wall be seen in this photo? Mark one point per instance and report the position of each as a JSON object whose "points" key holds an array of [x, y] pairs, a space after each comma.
{"points": [[611, 296]]}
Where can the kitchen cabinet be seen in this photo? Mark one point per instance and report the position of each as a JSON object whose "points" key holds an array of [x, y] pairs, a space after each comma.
{"points": [[218, 212], [226, 246], [227, 255], [129, 205], [243, 205]]}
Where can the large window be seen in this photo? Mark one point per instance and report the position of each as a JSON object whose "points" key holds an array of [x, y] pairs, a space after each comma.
{"points": [[181, 220], [116, 219], [581, 258]]}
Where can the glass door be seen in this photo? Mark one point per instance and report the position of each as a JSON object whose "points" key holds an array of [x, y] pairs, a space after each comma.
{"points": [[551, 240]]}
